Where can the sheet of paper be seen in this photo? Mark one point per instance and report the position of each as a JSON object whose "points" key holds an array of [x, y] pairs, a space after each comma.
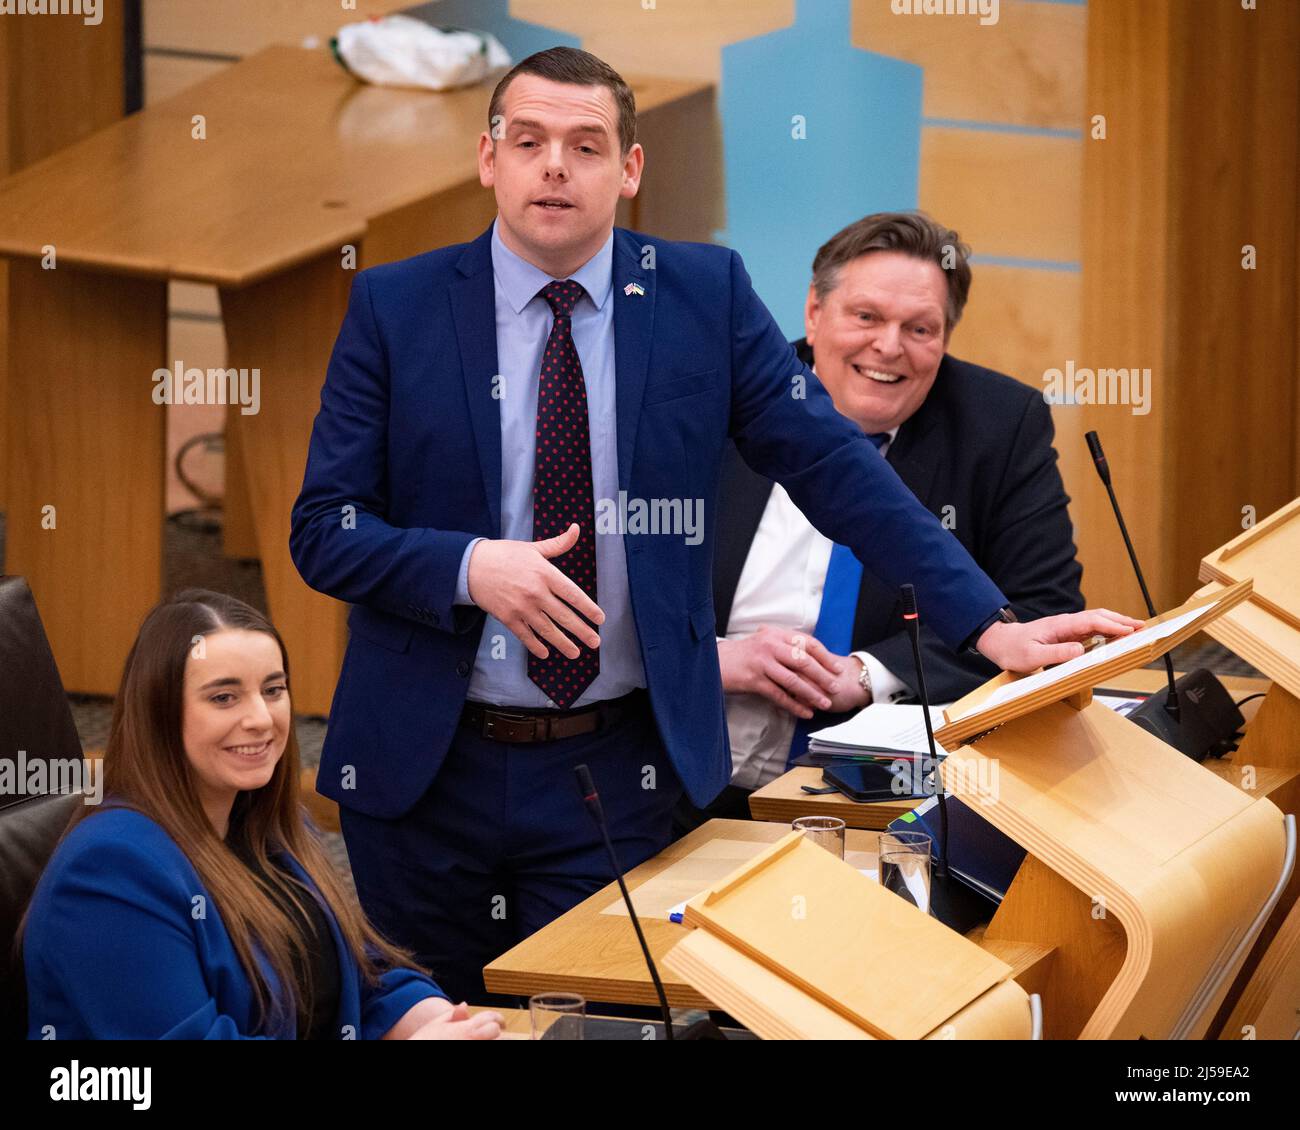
{"points": [[884, 726], [1093, 658]]}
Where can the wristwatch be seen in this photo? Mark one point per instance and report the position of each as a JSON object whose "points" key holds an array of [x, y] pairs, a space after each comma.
{"points": [[864, 679], [1003, 615]]}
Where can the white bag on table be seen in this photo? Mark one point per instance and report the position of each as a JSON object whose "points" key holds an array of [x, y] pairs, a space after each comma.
{"points": [[403, 51]]}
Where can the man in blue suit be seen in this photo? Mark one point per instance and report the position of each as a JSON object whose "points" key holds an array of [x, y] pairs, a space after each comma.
{"points": [[507, 431]]}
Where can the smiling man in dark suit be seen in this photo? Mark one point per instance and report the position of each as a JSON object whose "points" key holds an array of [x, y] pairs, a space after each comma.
{"points": [[974, 446]]}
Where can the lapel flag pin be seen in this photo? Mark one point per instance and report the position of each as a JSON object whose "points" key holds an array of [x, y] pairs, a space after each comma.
{"points": [[633, 288]]}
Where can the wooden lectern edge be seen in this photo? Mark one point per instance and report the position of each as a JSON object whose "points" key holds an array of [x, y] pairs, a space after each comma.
{"points": [[964, 718], [1283, 953], [1080, 701], [1120, 904], [1134, 910], [1212, 564], [748, 870], [695, 919], [991, 1013], [1081, 875], [1246, 537], [1266, 635], [1284, 673]]}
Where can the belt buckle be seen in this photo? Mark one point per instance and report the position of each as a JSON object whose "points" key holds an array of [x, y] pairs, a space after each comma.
{"points": [[491, 717]]}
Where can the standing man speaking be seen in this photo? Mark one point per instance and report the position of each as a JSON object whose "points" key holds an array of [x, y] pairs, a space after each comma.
{"points": [[485, 409]]}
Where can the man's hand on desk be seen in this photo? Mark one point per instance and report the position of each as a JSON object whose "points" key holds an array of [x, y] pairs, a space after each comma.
{"points": [[793, 670], [1053, 639], [516, 582]]}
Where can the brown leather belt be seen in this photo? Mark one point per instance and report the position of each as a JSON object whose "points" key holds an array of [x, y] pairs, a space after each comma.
{"points": [[520, 725]]}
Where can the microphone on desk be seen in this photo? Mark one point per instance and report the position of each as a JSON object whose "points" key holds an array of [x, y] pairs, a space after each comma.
{"points": [[1103, 470], [1194, 714], [701, 1029], [952, 902]]}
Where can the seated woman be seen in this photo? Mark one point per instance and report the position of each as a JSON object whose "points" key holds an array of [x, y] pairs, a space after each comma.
{"points": [[195, 903]]}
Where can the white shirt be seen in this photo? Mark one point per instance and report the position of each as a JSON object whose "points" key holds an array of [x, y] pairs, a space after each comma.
{"points": [[781, 587]]}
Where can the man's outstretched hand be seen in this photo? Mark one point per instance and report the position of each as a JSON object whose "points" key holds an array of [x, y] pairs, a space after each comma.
{"points": [[516, 582], [1053, 639]]}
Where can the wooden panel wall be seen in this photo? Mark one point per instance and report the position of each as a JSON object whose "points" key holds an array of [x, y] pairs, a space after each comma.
{"points": [[1233, 366], [60, 80], [1200, 159], [1125, 217]]}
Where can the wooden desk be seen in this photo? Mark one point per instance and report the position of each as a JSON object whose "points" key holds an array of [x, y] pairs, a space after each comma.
{"points": [[299, 163], [784, 799], [597, 955]]}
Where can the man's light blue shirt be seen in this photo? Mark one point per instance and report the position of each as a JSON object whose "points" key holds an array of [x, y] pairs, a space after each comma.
{"points": [[523, 323]]}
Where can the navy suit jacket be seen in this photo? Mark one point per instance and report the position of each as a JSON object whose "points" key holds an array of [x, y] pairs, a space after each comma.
{"points": [[113, 948], [404, 469], [977, 452]]}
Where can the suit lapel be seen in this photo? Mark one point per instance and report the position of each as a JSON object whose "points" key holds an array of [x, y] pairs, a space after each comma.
{"points": [[915, 456], [633, 330], [473, 302]]}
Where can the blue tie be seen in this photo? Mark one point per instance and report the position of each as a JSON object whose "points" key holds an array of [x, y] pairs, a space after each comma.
{"points": [[834, 628]]}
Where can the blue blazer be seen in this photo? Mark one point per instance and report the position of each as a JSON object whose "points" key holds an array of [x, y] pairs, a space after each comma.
{"points": [[124, 942], [404, 469]]}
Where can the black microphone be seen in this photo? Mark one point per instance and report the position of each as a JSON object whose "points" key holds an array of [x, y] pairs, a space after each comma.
{"points": [[1103, 470], [1194, 714], [952, 902], [912, 621], [701, 1029]]}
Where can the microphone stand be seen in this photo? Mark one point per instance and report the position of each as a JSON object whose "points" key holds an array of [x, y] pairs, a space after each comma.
{"points": [[702, 1029], [952, 902]]}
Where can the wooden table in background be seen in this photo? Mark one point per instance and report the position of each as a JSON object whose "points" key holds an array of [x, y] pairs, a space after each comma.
{"points": [[300, 161]]}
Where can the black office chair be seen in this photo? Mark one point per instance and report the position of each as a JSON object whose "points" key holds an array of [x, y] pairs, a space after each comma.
{"points": [[34, 717]]}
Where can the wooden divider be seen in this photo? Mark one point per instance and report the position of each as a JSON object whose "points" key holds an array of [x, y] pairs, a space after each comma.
{"points": [[45, 104]]}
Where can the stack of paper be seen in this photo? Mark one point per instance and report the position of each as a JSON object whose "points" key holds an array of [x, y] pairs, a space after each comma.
{"points": [[882, 729]]}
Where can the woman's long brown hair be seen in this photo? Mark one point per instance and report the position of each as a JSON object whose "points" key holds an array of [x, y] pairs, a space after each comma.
{"points": [[145, 768]]}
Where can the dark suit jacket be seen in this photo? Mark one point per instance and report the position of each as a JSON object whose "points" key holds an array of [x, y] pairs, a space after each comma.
{"points": [[404, 470], [981, 443]]}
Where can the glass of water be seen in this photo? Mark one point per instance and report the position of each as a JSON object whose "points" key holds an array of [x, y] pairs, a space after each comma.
{"points": [[557, 1016], [824, 831], [905, 866]]}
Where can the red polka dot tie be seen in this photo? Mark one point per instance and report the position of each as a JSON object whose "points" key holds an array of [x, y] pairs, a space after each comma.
{"points": [[562, 490]]}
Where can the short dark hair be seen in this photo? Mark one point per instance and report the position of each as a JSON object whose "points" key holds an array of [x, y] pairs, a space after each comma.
{"points": [[570, 64], [912, 233]]}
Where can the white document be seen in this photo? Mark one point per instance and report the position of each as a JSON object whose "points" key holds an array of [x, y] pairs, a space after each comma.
{"points": [[881, 725], [1098, 655]]}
